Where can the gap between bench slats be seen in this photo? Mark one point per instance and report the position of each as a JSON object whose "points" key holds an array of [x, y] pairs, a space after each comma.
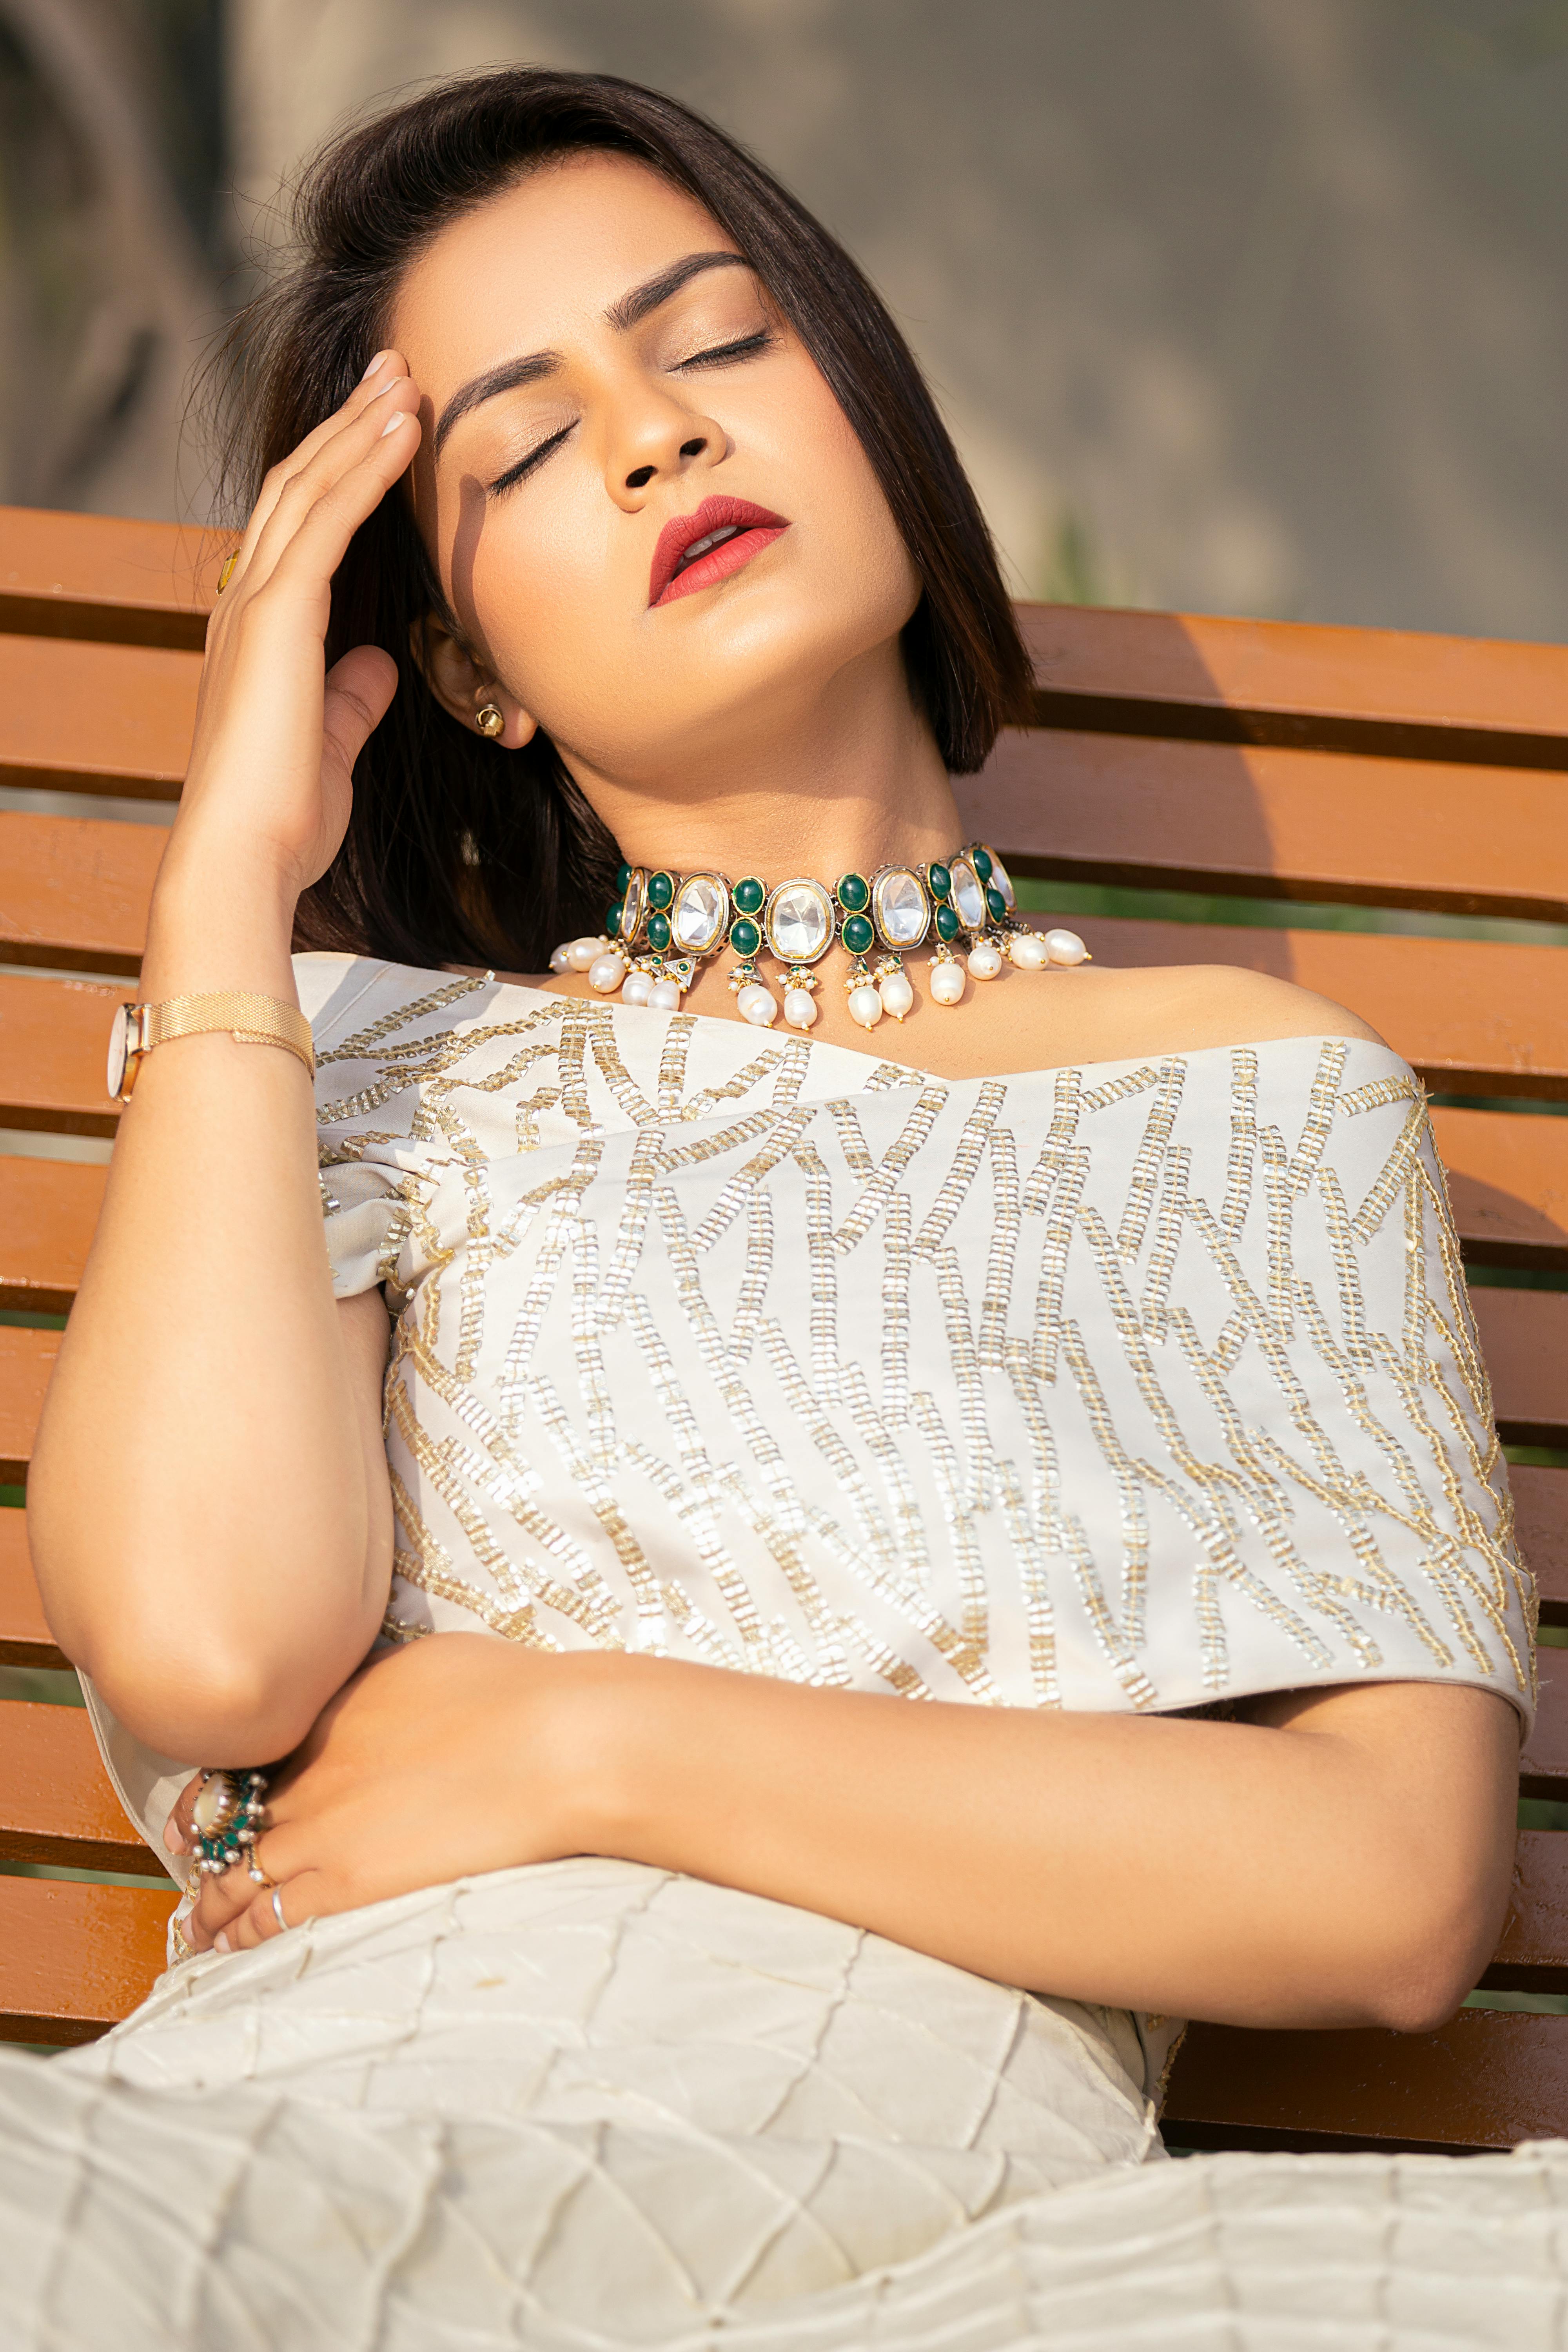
{"points": [[75, 1959], [1274, 824]]}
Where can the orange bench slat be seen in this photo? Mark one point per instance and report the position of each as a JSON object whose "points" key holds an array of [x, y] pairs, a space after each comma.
{"points": [[75, 891], [1543, 1766], [1269, 822], [1507, 1181], [1533, 1955], [54, 1050], [95, 717], [1524, 1338], [1540, 1517], [27, 1360], [74, 1958], [1394, 692], [1469, 1015], [25, 1636], [1486, 2080], [55, 1801], [106, 577], [48, 1209]]}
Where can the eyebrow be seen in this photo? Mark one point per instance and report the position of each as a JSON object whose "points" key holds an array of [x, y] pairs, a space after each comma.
{"points": [[628, 313]]}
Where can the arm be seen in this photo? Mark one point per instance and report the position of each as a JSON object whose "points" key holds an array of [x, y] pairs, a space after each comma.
{"points": [[1343, 1860], [212, 1538]]}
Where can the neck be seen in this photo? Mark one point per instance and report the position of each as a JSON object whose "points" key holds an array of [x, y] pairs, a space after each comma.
{"points": [[828, 781]]}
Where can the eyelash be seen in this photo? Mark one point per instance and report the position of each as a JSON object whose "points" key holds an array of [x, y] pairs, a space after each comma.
{"points": [[715, 357]]}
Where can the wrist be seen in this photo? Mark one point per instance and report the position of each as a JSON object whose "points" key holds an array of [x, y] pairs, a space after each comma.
{"points": [[616, 1744], [222, 916]]}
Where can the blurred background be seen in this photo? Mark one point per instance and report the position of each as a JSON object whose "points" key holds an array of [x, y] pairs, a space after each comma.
{"points": [[1245, 306]]}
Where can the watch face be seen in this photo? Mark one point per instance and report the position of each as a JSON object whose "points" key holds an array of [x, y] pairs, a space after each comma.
{"points": [[118, 1048]]}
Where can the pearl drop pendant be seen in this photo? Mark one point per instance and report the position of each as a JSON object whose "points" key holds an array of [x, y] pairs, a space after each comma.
{"points": [[800, 1008], [865, 1005]]}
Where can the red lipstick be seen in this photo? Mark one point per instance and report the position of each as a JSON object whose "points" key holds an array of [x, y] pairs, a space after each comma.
{"points": [[683, 562]]}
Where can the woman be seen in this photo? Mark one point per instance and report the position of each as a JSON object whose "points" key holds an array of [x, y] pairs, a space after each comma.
{"points": [[1085, 1356]]}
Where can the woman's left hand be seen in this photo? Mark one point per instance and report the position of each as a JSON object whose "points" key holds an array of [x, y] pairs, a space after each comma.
{"points": [[452, 1756]]}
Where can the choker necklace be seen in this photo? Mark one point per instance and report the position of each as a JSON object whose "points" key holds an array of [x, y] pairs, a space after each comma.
{"points": [[663, 926]]}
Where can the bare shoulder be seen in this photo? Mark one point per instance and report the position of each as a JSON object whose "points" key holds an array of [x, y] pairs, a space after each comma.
{"points": [[1225, 1005]]}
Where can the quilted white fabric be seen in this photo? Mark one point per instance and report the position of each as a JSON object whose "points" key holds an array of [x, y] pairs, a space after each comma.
{"points": [[593, 2106]]}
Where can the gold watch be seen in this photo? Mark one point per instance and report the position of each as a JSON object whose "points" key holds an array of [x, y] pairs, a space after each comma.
{"points": [[249, 1021]]}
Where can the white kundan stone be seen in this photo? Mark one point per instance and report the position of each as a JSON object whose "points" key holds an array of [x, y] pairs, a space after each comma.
{"points": [[985, 960], [800, 1008], [1065, 947], [1028, 951], [899, 906], [947, 983], [663, 996], [701, 911], [798, 922], [639, 988], [758, 1005], [606, 972], [895, 993], [1002, 880], [968, 897], [865, 1005]]}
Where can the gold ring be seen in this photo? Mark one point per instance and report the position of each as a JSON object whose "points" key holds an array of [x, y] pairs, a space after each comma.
{"points": [[226, 574]]}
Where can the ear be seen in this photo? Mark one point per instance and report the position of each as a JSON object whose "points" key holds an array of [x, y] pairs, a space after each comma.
{"points": [[462, 686]]}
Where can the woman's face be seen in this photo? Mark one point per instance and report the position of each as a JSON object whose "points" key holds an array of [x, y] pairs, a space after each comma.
{"points": [[598, 365]]}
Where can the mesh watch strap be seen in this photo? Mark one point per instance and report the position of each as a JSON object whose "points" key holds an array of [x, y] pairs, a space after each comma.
{"points": [[250, 1020]]}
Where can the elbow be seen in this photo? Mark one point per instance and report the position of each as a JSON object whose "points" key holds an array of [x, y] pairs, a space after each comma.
{"points": [[1421, 1975], [207, 1704]]}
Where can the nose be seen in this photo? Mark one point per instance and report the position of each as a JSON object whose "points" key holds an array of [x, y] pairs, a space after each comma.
{"points": [[657, 438]]}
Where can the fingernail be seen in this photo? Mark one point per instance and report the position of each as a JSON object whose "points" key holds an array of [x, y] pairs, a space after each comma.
{"points": [[220, 1941], [393, 423], [171, 1838], [374, 365], [383, 389]]}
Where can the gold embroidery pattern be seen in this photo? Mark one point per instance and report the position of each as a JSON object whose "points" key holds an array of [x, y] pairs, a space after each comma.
{"points": [[1124, 1388]]}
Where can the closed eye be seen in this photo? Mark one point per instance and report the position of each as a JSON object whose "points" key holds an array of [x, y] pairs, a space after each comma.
{"points": [[526, 466], [721, 353]]}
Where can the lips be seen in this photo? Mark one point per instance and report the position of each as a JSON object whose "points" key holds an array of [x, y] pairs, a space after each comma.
{"points": [[682, 565]]}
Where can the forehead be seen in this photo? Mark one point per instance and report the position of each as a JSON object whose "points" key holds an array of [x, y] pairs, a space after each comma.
{"points": [[540, 263]]}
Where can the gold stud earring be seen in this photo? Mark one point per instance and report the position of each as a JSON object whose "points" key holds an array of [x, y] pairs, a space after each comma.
{"points": [[490, 721]]}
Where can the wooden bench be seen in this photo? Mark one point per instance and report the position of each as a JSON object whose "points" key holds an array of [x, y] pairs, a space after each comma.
{"points": [[1361, 767]]}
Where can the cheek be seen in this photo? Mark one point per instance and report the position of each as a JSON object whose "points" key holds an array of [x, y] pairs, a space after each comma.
{"points": [[549, 589]]}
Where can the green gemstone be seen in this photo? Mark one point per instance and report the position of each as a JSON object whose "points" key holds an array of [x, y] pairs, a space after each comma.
{"points": [[749, 896], [858, 934], [939, 881], [996, 906], [853, 892], [660, 890], [622, 876], [613, 921], [659, 933], [744, 936], [947, 923], [982, 864]]}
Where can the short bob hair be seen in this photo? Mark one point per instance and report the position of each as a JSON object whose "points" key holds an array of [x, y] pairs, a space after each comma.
{"points": [[458, 852]]}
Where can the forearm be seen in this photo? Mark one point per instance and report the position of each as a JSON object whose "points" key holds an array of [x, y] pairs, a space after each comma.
{"points": [[200, 1513], [1252, 1874]]}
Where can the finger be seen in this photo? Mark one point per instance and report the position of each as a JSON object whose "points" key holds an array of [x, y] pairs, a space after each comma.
{"points": [[177, 1828], [224, 1896], [318, 512], [298, 1899], [386, 369], [360, 689]]}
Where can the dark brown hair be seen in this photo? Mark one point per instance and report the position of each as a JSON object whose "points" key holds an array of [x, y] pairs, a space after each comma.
{"points": [[458, 852]]}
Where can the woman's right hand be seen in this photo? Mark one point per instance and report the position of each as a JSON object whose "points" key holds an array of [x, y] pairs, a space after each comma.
{"points": [[276, 734]]}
